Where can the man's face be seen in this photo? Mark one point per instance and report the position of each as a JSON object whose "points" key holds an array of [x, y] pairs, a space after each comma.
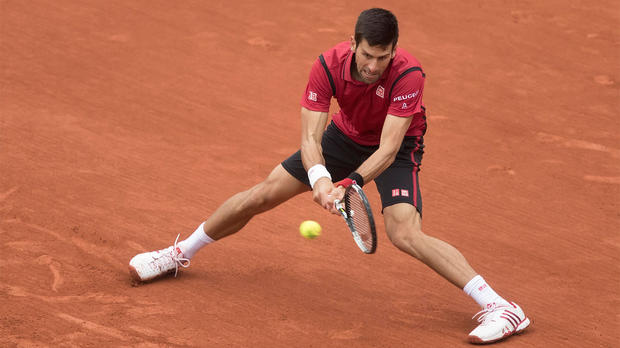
{"points": [[370, 61]]}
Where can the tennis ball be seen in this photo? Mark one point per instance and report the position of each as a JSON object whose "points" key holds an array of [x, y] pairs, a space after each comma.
{"points": [[310, 229]]}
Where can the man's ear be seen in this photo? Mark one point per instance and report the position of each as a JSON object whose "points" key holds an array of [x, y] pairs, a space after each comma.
{"points": [[353, 46]]}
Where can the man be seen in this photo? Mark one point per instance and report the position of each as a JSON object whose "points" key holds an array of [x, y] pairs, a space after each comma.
{"points": [[377, 135]]}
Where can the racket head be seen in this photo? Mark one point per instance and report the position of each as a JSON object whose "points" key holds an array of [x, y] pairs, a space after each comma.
{"points": [[360, 219]]}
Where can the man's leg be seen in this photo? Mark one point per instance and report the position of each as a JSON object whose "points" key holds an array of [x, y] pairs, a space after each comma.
{"points": [[499, 318], [237, 211], [229, 218], [404, 228]]}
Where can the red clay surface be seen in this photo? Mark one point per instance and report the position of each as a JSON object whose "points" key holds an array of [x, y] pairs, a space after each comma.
{"points": [[123, 124]]}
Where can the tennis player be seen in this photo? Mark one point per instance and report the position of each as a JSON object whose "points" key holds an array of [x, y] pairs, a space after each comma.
{"points": [[377, 135]]}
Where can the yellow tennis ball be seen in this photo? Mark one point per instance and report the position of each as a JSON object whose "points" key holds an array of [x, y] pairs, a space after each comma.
{"points": [[310, 229]]}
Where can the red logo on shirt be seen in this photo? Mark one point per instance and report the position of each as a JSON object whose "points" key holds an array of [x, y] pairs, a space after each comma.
{"points": [[312, 96], [381, 91], [395, 192]]}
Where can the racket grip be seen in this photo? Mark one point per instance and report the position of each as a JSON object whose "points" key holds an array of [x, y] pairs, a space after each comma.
{"points": [[337, 204], [340, 207]]}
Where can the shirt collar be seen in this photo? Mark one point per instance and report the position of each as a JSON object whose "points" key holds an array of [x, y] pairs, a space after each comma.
{"points": [[347, 68]]}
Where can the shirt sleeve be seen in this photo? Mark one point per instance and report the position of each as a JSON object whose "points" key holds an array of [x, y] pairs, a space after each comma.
{"points": [[318, 94], [407, 95]]}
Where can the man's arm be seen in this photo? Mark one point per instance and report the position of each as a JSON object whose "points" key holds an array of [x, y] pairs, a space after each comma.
{"points": [[312, 128], [392, 136]]}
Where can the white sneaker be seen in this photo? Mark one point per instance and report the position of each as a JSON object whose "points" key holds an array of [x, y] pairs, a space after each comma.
{"points": [[498, 322], [148, 266]]}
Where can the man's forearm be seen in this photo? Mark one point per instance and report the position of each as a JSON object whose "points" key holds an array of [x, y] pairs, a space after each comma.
{"points": [[394, 129], [376, 164], [312, 128], [311, 154]]}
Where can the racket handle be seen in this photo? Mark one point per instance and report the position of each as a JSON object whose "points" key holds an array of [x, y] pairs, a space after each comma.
{"points": [[338, 205]]}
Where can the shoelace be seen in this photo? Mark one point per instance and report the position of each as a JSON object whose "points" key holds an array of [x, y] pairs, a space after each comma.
{"points": [[487, 313], [178, 261]]}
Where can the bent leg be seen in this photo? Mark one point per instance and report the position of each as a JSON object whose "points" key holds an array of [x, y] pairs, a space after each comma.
{"points": [[403, 225], [237, 211]]}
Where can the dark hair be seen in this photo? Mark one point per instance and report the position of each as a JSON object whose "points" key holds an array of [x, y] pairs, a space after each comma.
{"points": [[378, 26]]}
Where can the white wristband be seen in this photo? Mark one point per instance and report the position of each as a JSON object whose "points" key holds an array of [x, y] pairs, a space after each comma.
{"points": [[316, 172]]}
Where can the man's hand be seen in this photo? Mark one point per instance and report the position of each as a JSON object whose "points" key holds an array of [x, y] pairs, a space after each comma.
{"points": [[321, 193], [336, 194], [324, 193]]}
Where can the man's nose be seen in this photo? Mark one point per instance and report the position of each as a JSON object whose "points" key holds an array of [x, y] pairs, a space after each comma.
{"points": [[372, 65]]}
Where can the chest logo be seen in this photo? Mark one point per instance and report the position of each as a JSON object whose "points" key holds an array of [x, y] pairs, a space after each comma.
{"points": [[381, 91]]}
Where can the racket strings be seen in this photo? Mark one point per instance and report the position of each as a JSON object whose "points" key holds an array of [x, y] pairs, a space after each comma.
{"points": [[356, 209]]}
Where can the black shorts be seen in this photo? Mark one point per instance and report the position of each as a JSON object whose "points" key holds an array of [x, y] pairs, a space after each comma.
{"points": [[397, 184]]}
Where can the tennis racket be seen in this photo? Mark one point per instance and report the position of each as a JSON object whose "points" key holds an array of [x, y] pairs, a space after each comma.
{"points": [[356, 211]]}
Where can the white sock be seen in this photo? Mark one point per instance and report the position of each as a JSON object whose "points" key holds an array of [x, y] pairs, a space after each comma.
{"points": [[195, 242], [482, 293]]}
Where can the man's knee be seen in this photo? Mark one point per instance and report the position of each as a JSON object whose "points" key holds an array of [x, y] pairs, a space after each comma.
{"points": [[278, 187], [405, 236], [255, 197], [404, 229]]}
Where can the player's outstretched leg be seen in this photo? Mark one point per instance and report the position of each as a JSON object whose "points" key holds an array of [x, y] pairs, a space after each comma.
{"points": [[498, 318], [229, 218]]}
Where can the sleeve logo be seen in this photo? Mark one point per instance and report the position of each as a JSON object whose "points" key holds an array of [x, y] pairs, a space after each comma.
{"points": [[406, 96], [312, 96]]}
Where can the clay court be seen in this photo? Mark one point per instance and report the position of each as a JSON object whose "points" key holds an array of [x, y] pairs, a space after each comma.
{"points": [[124, 123]]}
